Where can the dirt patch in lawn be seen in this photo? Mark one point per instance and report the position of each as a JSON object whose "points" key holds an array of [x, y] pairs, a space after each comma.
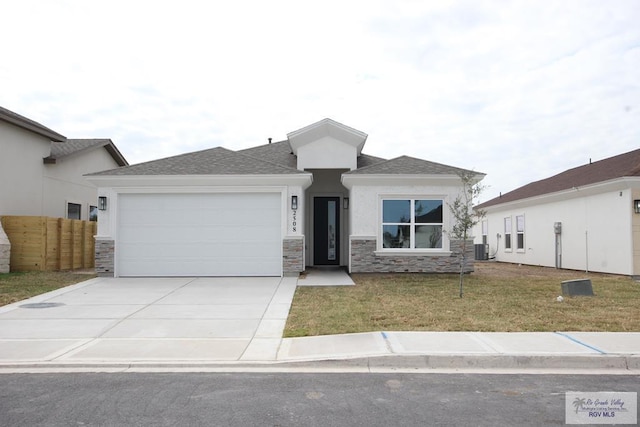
{"points": [[507, 270], [498, 297]]}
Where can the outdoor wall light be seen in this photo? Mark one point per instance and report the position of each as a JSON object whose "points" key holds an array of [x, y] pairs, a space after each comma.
{"points": [[294, 203], [636, 206], [102, 203], [345, 202]]}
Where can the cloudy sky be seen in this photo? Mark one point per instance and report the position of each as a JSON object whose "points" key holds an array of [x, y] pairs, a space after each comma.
{"points": [[519, 90]]}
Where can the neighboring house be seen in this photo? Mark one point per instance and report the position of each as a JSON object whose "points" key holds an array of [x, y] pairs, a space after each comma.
{"points": [[586, 218], [42, 171], [312, 200]]}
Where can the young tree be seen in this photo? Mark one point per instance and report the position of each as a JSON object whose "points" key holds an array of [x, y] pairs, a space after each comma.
{"points": [[465, 217]]}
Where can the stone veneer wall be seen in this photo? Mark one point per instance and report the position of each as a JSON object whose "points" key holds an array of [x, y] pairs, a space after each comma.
{"points": [[105, 258], [364, 260], [292, 256], [5, 251]]}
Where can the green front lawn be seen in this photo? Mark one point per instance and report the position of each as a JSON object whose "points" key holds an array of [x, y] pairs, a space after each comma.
{"points": [[497, 298]]}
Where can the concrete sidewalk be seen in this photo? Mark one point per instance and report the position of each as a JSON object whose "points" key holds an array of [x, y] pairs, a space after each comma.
{"points": [[237, 324], [473, 350]]}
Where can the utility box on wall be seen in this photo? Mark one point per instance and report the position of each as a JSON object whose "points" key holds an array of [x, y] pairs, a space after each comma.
{"points": [[557, 227]]}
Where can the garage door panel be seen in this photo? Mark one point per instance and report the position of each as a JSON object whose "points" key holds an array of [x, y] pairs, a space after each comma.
{"points": [[199, 234]]}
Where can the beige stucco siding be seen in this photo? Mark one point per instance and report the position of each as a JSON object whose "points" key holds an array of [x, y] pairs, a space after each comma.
{"points": [[64, 181], [21, 170], [31, 187]]}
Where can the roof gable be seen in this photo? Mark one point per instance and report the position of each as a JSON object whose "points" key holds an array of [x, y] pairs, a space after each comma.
{"points": [[30, 125], [60, 150], [324, 128], [214, 161], [622, 165]]}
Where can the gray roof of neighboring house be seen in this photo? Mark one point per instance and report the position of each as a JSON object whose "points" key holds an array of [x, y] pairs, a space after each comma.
{"points": [[214, 161], [60, 150], [405, 165], [30, 125], [280, 153], [622, 165]]}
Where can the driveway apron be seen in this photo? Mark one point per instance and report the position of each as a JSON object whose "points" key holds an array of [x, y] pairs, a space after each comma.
{"points": [[149, 320]]}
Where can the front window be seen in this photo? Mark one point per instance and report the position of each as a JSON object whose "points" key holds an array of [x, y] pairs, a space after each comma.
{"points": [[520, 232], [73, 210], [507, 233], [412, 224]]}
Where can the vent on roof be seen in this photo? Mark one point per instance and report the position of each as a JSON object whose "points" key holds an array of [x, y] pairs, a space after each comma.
{"points": [[270, 140]]}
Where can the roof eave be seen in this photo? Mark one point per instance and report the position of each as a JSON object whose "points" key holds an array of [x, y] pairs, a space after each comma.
{"points": [[616, 184], [116, 154], [349, 180], [304, 179], [34, 127]]}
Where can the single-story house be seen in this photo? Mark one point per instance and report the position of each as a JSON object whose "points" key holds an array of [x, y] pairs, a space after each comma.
{"points": [[47, 169], [312, 200], [586, 218]]}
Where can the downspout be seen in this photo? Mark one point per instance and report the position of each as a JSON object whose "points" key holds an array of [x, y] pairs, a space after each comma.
{"points": [[586, 247]]}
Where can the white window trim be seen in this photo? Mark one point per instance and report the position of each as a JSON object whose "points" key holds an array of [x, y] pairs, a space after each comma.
{"points": [[510, 233], [75, 202], [522, 249], [444, 251]]}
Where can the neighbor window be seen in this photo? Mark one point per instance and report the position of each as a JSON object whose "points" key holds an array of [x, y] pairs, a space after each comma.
{"points": [[507, 233], [73, 210], [412, 224], [93, 213], [520, 231], [485, 232]]}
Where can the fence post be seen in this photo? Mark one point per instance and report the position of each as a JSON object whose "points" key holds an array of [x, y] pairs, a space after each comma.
{"points": [[43, 244], [59, 244]]}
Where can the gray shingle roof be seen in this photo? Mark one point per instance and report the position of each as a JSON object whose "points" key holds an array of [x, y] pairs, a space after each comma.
{"points": [[277, 152], [30, 125], [405, 165], [214, 161], [622, 165], [60, 150]]}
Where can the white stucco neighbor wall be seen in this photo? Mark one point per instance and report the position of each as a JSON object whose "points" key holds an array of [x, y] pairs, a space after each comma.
{"points": [[327, 153], [21, 170], [596, 232]]}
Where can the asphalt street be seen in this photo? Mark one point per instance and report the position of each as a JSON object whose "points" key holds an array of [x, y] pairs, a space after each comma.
{"points": [[263, 399]]}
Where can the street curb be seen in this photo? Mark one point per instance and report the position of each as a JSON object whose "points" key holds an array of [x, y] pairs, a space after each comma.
{"points": [[420, 363]]}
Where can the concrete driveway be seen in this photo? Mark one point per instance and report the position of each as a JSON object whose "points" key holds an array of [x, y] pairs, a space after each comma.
{"points": [[149, 319]]}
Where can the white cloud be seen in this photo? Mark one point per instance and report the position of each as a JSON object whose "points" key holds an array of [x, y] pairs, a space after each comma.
{"points": [[517, 89]]}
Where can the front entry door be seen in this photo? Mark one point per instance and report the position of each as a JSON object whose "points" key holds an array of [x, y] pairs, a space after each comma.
{"points": [[326, 231]]}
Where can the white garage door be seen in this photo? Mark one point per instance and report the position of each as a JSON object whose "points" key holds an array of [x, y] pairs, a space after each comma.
{"points": [[199, 235]]}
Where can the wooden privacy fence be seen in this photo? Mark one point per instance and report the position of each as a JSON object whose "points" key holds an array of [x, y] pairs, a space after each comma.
{"points": [[40, 243]]}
